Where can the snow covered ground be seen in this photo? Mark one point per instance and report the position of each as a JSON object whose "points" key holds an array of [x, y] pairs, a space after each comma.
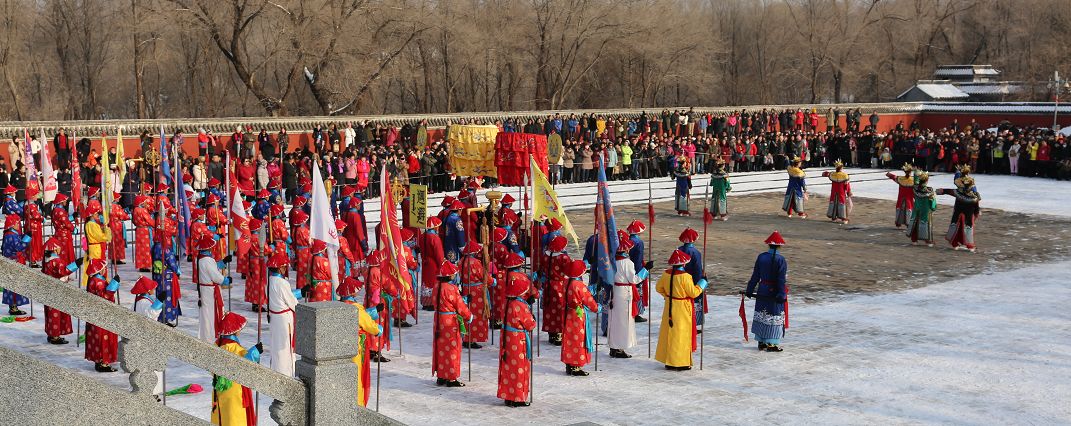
{"points": [[992, 348]]}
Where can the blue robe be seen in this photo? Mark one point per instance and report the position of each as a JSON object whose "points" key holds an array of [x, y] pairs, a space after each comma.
{"points": [[13, 246], [454, 238], [695, 269], [636, 255], [164, 268], [794, 201], [12, 207], [684, 187], [768, 285], [261, 210]]}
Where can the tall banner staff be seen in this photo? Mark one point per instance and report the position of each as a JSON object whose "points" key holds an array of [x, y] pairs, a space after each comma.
{"points": [[650, 252], [707, 219], [532, 255]]}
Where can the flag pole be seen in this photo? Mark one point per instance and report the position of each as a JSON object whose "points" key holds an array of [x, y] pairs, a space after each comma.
{"points": [[703, 263], [230, 235], [528, 178], [650, 253]]}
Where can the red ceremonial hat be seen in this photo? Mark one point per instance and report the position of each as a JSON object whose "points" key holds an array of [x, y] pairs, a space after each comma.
{"points": [[53, 245], [775, 239], [142, 199], [197, 212], [186, 177], [162, 187], [10, 190], [508, 199], [213, 182], [263, 193], [472, 184], [407, 234], [246, 205], [212, 199], [679, 258], [457, 205], [624, 245], [514, 260], [279, 260], [348, 190], [689, 235], [448, 200], [340, 225], [557, 244], [447, 269], [206, 243], [146, 187], [298, 217], [60, 199], [509, 218], [277, 209], [143, 285], [31, 192], [517, 287], [232, 324], [304, 181], [96, 266], [636, 227], [318, 246], [500, 234], [348, 287], [472, 248], [434, 222], [12, 221], [93, 207], [93, 191], [575, 269], [306, 187], [300, 200], [553, 224], [375, 258]]}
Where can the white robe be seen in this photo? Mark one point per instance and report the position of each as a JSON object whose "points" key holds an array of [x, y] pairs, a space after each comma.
{"points": [[281, 299], [208, 277], [621, 326], [144, 307]]}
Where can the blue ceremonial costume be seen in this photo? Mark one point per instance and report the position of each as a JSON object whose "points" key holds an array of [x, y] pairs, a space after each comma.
{"points": [[11, 206], [695, 269], [768, 324], [14, 247], [636, 255], [164, 271], [454, 238]]}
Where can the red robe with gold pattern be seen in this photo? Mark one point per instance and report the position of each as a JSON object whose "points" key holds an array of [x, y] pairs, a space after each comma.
{"points": [[372, 298], [302, 255], [143, 228], [321, 279], [255, 280], [35, 225], [117, 250], [574, 350], [515, 360], [474, 289], [446, 350], [63, 231], [101, 345], [554, 294], [215, 217], [431, 252], [57, 322]]}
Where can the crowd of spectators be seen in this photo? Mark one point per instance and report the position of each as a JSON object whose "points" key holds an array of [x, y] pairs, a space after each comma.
{"points": [[636, 147]]}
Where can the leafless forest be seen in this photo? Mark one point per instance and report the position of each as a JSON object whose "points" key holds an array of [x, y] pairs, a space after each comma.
{"points": [[89, 59]]}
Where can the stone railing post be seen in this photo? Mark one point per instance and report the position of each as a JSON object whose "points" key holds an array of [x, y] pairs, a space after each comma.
{"points": [[327, 342]]}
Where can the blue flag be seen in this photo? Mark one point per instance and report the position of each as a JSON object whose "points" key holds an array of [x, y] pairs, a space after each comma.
{"points": [[165, 166], [184, 210], [605, 230]]}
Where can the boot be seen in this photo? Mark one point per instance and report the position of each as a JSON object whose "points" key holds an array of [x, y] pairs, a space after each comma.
{"points": [[104, 368], [774, 348], [472, 345], [763, 346], [375, 356], [402, 323], [575, 371], [517, 403], [143, 269], [555, 339], [454, 384], [15, 311], [640, 319], [429, 308], [618, 353], [497, 325], [58, 340], [255, 308], [440, 382]]}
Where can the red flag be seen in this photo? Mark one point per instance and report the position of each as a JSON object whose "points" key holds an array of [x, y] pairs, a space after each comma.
{"points": [[390, 234], [650, 214], [743, 317], [707, 217], [76, 193]]}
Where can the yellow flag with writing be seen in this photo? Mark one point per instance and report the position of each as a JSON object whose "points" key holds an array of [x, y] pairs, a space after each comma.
{"points": [[546, 201]]}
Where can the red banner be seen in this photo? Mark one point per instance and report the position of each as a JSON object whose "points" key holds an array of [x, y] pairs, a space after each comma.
{"points": [[511, 156]]}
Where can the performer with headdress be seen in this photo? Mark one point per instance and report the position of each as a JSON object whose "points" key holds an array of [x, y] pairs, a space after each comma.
{"points": [[905, 197], [965, 212], [840, 194], [719, 189], [796, 193], [102, 346], [682, 174], [677, 336], [431, 256], [474, 290], [367, 327], [15, 244], [577, 335], [281, 303], [621, 324], [57, 322], [923, 204], [232, 403]]}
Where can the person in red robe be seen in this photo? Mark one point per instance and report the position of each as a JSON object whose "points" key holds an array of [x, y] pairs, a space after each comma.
{"points": [[116, 220], [319, 289], [450, 315], [402, 308], [245, 174], [63, 228], [143, 229], [35, 224], [217, 224], [576, 344], [431, 256], [300, 203], [255, 280], [474, 281], [500, 252], [515, 354], [905, 195], [57, 322], [102, 346], [373, 298], [302, 243], [356, 229], [554, 290], [347, 260], [279, 235]]}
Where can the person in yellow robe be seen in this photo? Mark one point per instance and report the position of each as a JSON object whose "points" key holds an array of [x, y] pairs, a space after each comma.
{"points": [[233, 404], [367, 326], [677, 336], [97, 234]]}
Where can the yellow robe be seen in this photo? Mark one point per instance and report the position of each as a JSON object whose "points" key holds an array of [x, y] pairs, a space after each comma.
{"points": [[368, 325], [229, 409], [675, 343], [97, 235]]}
